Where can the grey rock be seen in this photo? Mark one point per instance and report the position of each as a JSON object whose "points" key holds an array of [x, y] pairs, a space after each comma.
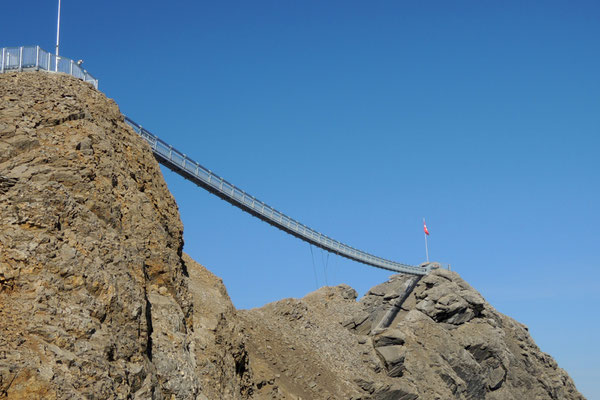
{"points": [[347, 292], [496, 377], [448, 301], [6, 183], [393, 357], [85, 144], [389, 337]]}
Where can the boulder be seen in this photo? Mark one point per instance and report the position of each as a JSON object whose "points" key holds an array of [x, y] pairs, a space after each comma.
{"points": [[389, 337], [393, 358]]}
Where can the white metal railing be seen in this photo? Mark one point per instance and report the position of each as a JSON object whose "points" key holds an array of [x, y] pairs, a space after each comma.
{"points": [[191, 170], [35, 58]]}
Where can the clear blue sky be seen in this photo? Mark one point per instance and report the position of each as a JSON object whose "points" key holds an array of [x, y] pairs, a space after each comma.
{"points": [[361, 118]]}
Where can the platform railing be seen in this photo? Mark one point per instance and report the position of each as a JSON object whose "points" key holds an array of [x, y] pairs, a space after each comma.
{"points": [[27, 58], [205, 178]]}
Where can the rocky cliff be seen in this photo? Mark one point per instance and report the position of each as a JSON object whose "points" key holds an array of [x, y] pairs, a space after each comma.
{"points": [[94, 297], [97, 300]]}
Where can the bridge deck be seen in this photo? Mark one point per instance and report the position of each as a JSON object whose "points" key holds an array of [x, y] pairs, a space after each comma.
{"points": [[191, 170]]}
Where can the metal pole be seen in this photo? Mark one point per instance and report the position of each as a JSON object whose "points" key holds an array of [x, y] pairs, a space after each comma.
{"points": [[21, 58], [37, 57], [57, 37], [3, 52], [58, 29]]}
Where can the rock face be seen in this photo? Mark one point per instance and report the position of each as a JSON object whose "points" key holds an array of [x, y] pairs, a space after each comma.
{"points": [[219, 339], [94, 298], [462, 348], [98, 301]]}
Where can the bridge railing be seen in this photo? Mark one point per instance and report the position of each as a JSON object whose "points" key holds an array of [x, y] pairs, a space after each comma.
{"points": [[34, 58], [189, 168]]}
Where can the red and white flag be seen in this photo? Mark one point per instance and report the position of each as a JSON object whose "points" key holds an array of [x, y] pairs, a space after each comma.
{"points": [[425, 228]]}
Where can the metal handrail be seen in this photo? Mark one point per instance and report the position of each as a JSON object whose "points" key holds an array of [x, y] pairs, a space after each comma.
{"points": [[205, 178], [34, 58]]}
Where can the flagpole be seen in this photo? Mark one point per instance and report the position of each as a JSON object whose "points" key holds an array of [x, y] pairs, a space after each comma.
{"points": [[426, 249], [57, 37]]}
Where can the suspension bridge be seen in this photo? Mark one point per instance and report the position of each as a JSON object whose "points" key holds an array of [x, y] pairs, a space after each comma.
{"points": [[34, 58]]}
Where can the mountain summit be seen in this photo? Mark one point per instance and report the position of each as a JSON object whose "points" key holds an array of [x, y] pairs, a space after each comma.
{"points": [[434, 339]]}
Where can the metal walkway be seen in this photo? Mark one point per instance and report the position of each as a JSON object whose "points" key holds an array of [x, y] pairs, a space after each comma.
{"points": [[206, 179]]}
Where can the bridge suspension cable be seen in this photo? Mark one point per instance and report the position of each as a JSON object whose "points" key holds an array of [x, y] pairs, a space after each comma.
{"points": [[206, 179]]}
